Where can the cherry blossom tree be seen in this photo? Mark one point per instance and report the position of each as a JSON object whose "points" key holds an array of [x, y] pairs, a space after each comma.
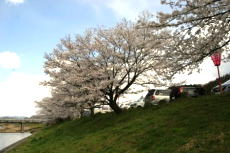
{"points": [[200, 28], [102, 65], [53, 108], [72, 84]]}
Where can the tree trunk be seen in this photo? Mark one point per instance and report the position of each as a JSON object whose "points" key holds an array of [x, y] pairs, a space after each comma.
{"points": [[81, 112], [91, 111], [115, 107]]}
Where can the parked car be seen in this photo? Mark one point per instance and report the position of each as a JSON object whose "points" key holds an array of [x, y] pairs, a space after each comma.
{"points": [[225, 87], [86, 113], [125, 105], [154, 96], [102, 109], [186, 90], [139, 103]]}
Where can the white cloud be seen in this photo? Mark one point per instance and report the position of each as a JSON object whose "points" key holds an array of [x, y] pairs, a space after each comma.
{"points": [[9, 60], [15, 1], [18, 94]]}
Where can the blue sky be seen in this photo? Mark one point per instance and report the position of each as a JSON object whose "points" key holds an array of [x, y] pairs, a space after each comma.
{"points": [[29, 28], [32, 27]]}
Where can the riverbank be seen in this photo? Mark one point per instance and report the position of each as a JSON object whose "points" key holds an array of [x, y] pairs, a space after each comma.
{"points": [[16, 127], [7, 129], [187, 125]]}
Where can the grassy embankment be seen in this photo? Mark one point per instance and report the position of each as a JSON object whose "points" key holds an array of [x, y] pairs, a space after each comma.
{"points": [[186, 126]]}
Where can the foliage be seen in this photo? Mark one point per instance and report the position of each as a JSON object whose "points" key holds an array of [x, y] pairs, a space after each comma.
{"points": [[102, 65], [188, 125], [200, 28]]}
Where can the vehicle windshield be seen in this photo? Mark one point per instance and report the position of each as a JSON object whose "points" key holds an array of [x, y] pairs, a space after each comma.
{"points": [[227, 82], [140, 99], [162, 92]]}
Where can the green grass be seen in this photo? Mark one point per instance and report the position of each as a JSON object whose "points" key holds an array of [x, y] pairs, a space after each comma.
{"points": [[193, 125]]}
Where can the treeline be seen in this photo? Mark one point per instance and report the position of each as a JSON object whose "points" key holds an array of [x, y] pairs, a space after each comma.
{"points": [[208, 86], [211, 84]]}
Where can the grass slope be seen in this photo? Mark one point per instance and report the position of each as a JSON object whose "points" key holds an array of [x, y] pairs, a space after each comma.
{"points": [[186, 126]]}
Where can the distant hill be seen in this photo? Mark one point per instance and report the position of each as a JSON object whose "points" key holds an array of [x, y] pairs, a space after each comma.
{"points": [[13, 117]]}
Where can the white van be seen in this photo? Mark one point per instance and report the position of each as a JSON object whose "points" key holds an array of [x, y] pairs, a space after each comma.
{"points": [[154, 96]]}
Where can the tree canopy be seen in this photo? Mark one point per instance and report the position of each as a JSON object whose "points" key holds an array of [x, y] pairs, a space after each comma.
{"points": [[102, 64], [200, 28]]}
